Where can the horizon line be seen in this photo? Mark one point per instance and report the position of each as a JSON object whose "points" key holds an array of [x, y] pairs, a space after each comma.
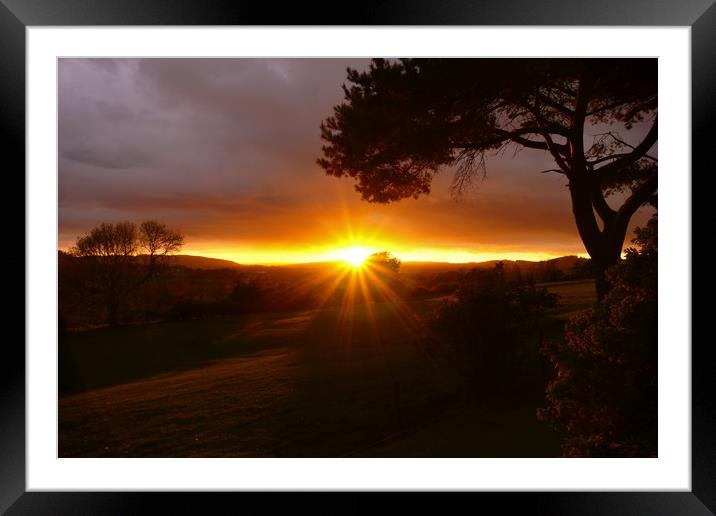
{"points": [[338, 260]]}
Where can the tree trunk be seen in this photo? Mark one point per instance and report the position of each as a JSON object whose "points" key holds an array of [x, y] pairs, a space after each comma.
{"points": [[604, 246]]}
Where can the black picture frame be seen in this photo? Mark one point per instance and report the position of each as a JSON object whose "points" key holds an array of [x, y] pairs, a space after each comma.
{"points": [[17, 15]]}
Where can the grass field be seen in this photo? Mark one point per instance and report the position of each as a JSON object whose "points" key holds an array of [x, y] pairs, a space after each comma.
{"points": [[317, 383], [573, 296]]}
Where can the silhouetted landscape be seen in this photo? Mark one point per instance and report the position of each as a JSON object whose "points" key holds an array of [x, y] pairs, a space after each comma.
{"points": [[291, 275]]}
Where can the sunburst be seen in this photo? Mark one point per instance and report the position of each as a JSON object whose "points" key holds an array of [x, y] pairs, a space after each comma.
{"points": [[355, 256]]}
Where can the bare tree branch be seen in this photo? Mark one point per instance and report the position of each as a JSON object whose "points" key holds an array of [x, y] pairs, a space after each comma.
{"points": [[555, 105], [639, 196], [551, 146], [628, 145], [607, 171], [605, 212], [607, 158]]}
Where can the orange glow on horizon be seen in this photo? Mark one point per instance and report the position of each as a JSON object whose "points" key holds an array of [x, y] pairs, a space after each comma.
{"points": [[354, 251], [349, 238], [356, 254], [344, 237]]}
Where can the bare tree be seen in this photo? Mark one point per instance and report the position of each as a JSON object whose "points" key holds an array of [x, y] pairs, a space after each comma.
{"points": [[158, 241], [111, 250]]}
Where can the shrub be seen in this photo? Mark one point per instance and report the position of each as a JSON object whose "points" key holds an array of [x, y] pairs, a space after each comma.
{"points": [[603, 399], [488, 327]]}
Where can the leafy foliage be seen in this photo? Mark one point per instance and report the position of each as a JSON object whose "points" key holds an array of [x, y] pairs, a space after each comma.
{"points": [[603, 398], [489, 325], [383, 261], [403, 120]]}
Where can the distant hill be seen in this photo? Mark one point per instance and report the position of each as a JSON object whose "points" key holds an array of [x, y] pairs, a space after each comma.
{"points": [[568, 263], [205, 263], [202, 262], [563, 264], [183, 260]]}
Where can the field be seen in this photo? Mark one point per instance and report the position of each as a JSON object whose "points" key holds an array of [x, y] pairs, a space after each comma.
{"points": [[318, 383]]}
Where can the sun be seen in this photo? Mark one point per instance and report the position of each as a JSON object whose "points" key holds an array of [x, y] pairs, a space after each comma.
{"points": [[354, 256]]}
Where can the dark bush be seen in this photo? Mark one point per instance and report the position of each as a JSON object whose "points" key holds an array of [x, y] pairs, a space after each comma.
{"points": [[245, 298], [488, 327], [603, 399]]}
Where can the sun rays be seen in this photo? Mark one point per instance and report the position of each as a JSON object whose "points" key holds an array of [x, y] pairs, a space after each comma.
{"points": [[361, 283], [357, 288], [354, 256]]}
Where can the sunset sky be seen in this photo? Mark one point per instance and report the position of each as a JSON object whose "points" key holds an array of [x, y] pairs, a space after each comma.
{"points": [[225, 150]]}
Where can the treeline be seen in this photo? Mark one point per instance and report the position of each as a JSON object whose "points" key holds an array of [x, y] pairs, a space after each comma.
{"points": [[111, 266], [425, 283], [174, 292], [125, 273], [135, 287]]}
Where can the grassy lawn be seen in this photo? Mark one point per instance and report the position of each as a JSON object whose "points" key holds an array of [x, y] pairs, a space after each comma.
{"points": [[573, 296], [316, 383]]}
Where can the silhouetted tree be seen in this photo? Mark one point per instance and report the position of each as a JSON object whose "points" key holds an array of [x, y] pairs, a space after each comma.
{"points": [[382, 278], [158, 241], [383, 261], [603, 398], [110, 249], [402, 120]]}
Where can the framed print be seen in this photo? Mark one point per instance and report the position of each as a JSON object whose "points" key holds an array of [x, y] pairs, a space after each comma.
{"points": [[411, 250]]}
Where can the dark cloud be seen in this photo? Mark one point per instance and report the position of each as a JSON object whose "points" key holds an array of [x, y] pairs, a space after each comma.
{"points": [[117, 158], [225, 149]]}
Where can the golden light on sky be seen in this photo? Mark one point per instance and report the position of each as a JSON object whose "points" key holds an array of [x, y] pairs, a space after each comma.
{"points": [[225, 150], [354, 256], [357, 254]]}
